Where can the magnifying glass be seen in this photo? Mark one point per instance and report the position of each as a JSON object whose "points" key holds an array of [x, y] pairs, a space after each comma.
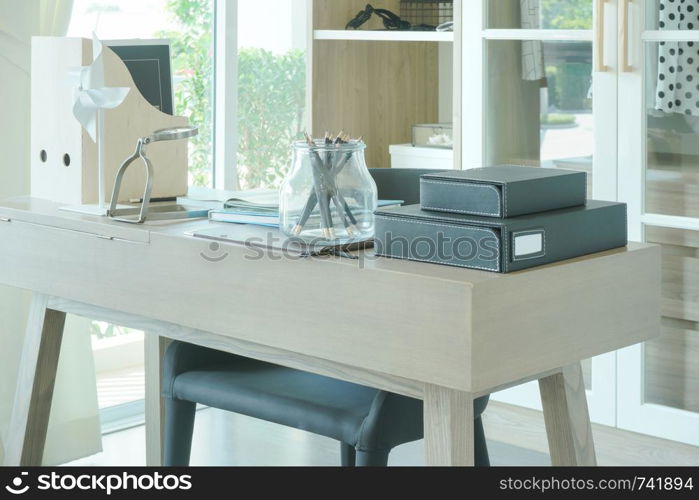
{"points": [[162, 135], [173, 134]]}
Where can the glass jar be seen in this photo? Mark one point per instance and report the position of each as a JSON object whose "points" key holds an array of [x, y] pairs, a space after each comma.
{"points": [[328, 194]]}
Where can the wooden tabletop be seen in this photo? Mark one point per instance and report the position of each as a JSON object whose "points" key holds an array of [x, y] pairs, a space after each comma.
{"points": [[457, 328]]}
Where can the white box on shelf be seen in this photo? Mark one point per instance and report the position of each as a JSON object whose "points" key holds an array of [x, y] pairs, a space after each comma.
{"points": [[408, 156], [64, 158]]}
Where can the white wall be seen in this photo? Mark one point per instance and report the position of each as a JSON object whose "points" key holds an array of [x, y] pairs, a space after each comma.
{"points": [[14, 180]]}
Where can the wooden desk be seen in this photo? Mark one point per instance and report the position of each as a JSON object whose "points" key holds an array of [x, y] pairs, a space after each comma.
{"points": [[445, 335]]}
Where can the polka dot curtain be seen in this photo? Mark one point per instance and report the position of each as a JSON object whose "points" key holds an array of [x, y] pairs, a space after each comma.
{"points": [[678, 63]]}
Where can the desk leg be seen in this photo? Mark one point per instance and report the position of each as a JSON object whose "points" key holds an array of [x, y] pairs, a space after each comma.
{"points": [[155, 347], [567, 419], [35, 382], [448, 421]]}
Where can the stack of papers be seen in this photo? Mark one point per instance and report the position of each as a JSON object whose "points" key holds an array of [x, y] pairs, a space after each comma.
{"points": [[261, 211]]}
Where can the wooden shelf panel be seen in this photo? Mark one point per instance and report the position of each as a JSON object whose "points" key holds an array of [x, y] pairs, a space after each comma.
{"points": [[384, 36]]}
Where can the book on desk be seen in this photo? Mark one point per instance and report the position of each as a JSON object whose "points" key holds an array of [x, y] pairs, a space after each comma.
{"points": [[246, 211]]}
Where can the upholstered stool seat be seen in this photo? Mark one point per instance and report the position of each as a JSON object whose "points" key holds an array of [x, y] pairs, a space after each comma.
{"points": [[367, 422]]}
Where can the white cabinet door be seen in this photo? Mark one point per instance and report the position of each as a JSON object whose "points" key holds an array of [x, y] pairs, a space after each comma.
{"points": [[539, 87], [658, 383]]}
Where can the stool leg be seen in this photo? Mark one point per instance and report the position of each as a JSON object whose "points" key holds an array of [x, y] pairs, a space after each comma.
{"points": [[480, 444], [347, 455], [372, 458], [179, 427]]}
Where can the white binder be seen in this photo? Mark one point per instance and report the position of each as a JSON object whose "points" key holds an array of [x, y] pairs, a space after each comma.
{"points": [[64, 158]]}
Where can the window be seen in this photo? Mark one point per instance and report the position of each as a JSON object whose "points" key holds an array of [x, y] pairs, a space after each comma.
{"points": [[268, 86], [119, 365], [271, 100]]}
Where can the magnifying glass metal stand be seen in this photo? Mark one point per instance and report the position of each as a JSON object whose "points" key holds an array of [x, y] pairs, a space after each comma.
{"points": [[139, 215]]}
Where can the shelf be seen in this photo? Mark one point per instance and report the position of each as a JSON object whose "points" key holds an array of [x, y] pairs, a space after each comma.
{"points": [[385, 36], [538, 35]]}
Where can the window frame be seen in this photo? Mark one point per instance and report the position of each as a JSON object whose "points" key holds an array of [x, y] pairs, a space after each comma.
{"points": [[225, 99], [225, 134]]}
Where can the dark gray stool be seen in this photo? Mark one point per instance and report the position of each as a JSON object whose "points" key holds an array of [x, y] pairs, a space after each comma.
{"points": [[367, 422]]}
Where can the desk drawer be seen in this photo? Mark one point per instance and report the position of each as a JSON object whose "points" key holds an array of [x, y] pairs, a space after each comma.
{"points": [[101, 227], [44, 258]]}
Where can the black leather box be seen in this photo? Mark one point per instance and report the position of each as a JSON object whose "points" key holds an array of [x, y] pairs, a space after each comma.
{"points": [[500, 245], [502, 191]]}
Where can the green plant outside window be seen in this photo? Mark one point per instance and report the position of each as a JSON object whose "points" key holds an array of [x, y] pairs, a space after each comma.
{"points": [[271, 99]]}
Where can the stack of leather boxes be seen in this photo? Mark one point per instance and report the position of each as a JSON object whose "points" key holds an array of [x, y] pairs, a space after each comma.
{"points": [[501, 219]]}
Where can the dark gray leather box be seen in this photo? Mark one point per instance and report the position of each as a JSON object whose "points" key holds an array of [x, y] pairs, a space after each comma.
{"points": [[502, 191], [500, 245]]}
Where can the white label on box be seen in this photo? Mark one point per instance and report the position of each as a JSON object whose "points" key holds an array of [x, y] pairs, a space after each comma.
{"points": [[529, 244]]}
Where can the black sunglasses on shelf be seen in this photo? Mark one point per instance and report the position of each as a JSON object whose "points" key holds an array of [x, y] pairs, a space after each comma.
{"points": [[391, 21]]}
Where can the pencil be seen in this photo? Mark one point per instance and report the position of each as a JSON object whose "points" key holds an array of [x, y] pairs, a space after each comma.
{"points": [[321, 190]]}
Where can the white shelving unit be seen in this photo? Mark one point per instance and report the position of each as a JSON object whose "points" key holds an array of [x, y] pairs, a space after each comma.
{"points": [[384, 36], [400, 77]]}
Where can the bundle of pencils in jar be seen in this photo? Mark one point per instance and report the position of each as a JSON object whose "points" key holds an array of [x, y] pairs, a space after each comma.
{"points": [[329, 193]]}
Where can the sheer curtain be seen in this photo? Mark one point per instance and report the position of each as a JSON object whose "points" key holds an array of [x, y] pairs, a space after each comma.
{"points": [[74, 429]]}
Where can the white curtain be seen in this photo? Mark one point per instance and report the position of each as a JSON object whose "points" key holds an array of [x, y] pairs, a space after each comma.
{"points": [[74, 430]]}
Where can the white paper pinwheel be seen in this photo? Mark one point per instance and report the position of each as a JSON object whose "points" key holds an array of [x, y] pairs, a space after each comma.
{"points": [[91, 98]]}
